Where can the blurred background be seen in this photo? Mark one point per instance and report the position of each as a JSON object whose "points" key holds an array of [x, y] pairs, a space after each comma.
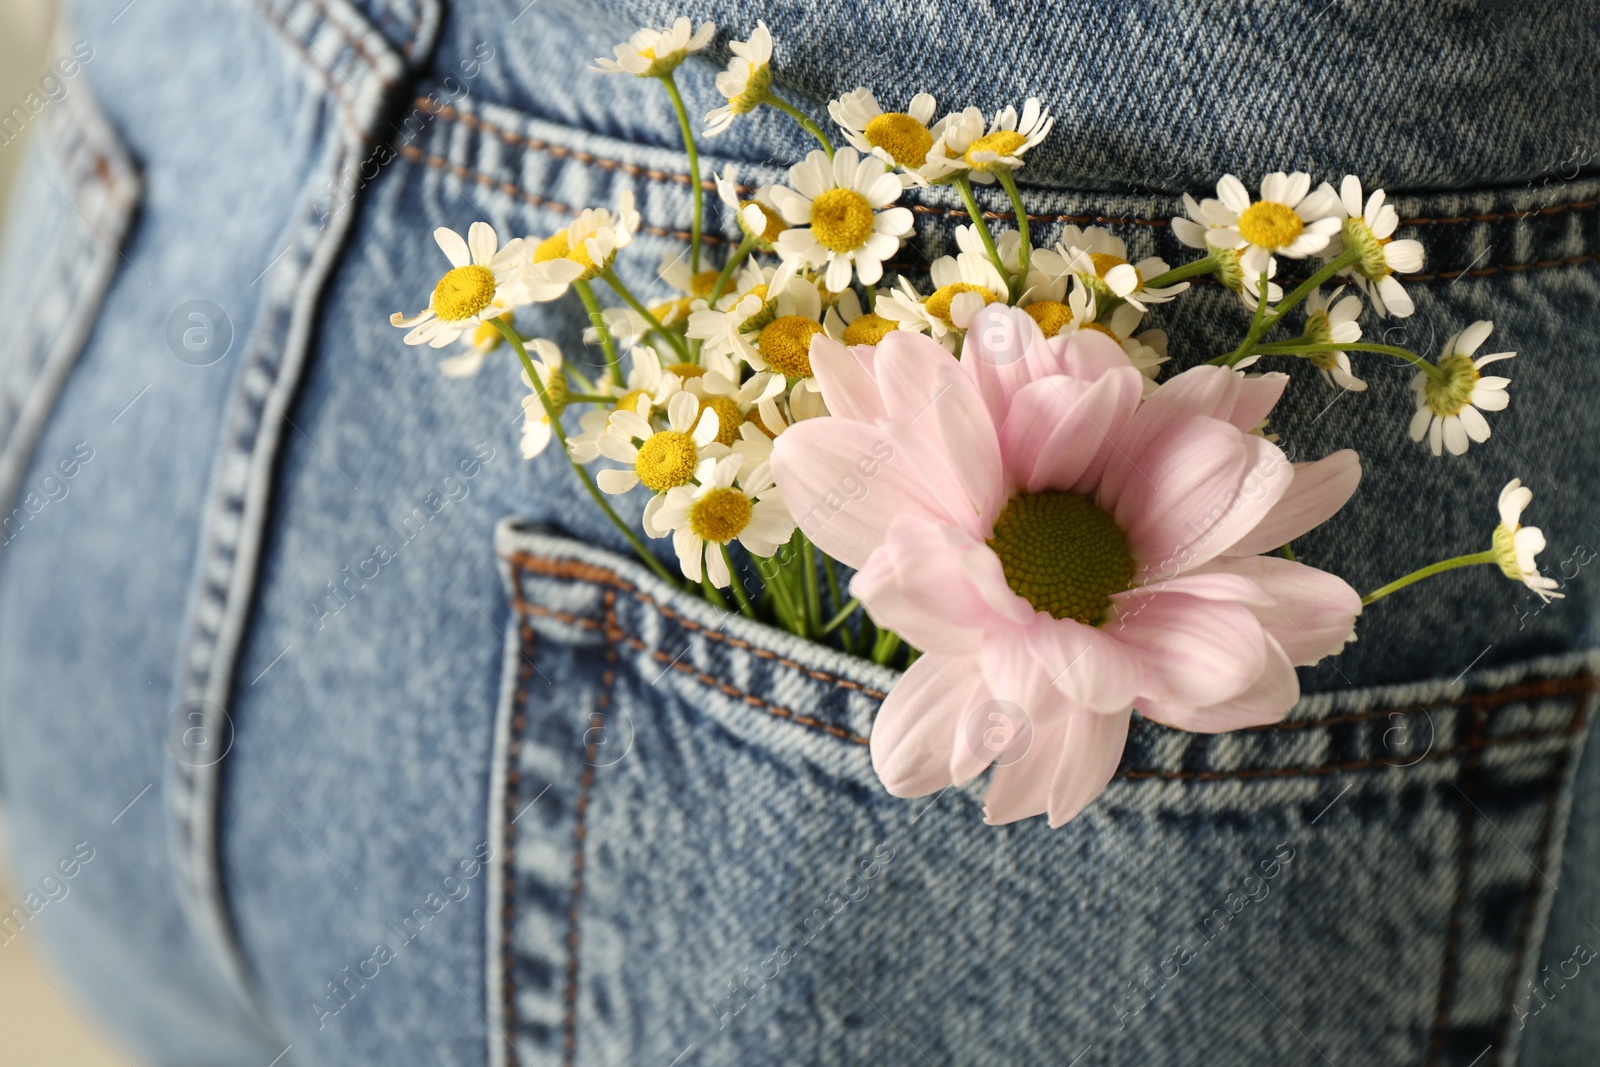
{"points": [[39, 1027]]}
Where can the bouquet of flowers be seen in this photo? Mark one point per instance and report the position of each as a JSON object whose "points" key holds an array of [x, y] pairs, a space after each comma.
{"points": [[987, 479]]}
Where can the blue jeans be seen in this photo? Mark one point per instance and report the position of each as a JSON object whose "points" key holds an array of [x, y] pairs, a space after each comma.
{"points": [[381, 750]]}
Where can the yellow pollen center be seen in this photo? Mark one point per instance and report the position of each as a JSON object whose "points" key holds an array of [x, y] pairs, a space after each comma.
{"points": [[463, 292], [841, 219], [1052, 316], [629, 401], [673, 312], [666, 460], [488, 336], [1455, 392], [1001, 142], [552, 247], [868, 329], [905, 139], [1062, 554], [1105, 263], [785, 344], [702, 284], [1100, 327], [720, 515], [1268, 224], [686, 370], [774, 221], [729, 417], [938, 304]]}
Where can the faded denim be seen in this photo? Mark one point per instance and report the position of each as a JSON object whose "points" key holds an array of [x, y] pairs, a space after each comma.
{"points": [[386, 754]]}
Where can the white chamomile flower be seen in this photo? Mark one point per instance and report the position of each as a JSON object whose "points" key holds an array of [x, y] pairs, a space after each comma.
{"points": [[783, 345], [965, 146], [745, 83], [1369, 230], [1450, 409], [850, 324], [652, 53], [647, 380], [583, 250], [728, 331], [1101, 259], [758, 217], [731, 400], [962, 285], [584, 446], [1332, 321], [840, 218], [1289, 219], [661, 459], [902, 139], [1061, 304], [626, 326], [1194, 230], [723, 508], [1516, 547], [536, 430], [479, 343], [483, 283], [754, 446]]}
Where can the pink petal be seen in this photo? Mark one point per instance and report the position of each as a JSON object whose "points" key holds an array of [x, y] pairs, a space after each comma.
{"points": [[845, 482], [1084, 664], [1022, 788], [940, 408], [1084, 354], [1318, 491], [995, 354], [1311, 613], [1060, 431], [1090, 753], [1275, 691], [1195, 652], [846, 378], [920, 724], [1214, 392], [1203, 584], [1195, 491], [938, 588]]}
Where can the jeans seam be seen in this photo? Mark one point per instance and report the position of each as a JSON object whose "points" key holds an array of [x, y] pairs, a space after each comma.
{"points": [[1452, 946], [528, 647]]}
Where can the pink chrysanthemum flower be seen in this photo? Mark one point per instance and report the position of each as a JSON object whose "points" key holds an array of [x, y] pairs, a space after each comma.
{"points": [[1053, 542]]}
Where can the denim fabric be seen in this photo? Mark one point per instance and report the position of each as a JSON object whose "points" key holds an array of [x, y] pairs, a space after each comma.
{"points": [[387, 755]]}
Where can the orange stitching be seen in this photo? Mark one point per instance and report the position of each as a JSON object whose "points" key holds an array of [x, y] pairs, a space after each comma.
{"points": [[511, 137]]}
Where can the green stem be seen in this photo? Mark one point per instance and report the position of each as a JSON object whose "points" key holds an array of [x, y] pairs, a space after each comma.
{"points": [[590, 398], [808, 560], [728, 270], [1296, 348], [799, 116], [588, 483], [1431, 569], [713, 594], [841, 618], [1204, 265], [1025, 249], [1262, 327], [884, 648], [598, 319], [632, 301], [963, 186], [738, 587], [694, 169]]}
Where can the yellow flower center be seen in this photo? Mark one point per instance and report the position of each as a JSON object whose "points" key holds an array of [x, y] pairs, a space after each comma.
{"points": [[629, 401], [938, 304], [774, 221], [463, 292], [666, 460], [1105, 263], [868, 329], [1448, 397], [1100, 327], [673, 312], [1269, 224], [729, 417], [905, 139], [1052, 316], [552, 247], [702, 284], [785, 344], [686, 370], [488, 336], [1001, 142], [841, 219], [1064, 555], [720, 515]]}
